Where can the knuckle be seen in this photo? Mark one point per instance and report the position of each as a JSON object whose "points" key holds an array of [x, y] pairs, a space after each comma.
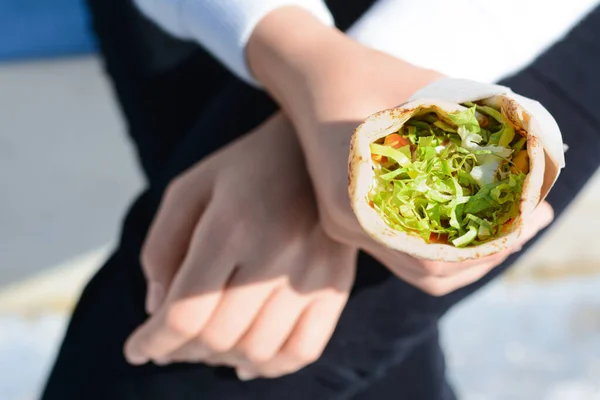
{"points": [[151, 259], [148, 259], [312, 355], [232, 223], [304, 355], [212, 362], [179, 323], [170, 194], [243, 230], [215, 342], [257, 355], [432, 267], [282, 371], [179, 326], [174, 187], [239, 237]]}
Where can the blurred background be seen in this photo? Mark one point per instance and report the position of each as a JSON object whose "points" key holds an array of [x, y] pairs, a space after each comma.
{"points": [[68, 173]]}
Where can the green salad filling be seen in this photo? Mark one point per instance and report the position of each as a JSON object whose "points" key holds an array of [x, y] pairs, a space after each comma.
{"points": [[453, 178]]}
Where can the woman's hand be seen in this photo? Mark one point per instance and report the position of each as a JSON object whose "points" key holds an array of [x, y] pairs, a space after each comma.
{"points": [[239, 270], [328, 84]]}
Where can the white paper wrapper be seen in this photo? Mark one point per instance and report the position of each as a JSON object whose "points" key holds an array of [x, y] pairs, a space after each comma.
{"points": [[544, 146]]}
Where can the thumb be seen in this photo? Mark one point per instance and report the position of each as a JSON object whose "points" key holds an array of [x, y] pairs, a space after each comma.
{"points": [[168, 239], [541, 217]]}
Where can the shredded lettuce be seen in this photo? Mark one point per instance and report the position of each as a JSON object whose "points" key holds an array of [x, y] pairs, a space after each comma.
{"points": [[467, 238], [518, 146], [506, 134], [470, 141], [466, 119], [485, 172], [396, 155], [454, 181]]}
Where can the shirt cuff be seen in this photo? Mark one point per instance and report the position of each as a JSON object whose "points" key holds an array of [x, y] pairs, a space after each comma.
{"points": [[471, 39], [223, 27]]}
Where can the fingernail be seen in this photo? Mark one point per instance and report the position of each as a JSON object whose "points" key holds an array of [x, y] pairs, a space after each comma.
{"points": [[161, 361], [154, 297], [245, 374], [136, 359]]}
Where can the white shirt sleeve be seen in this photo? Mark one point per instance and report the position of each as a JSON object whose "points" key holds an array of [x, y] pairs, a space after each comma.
{"points": [[473, 39], [223, 27]]}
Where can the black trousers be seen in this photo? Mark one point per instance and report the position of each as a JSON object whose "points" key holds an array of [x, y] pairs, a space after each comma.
{"points": [[178, 104]]}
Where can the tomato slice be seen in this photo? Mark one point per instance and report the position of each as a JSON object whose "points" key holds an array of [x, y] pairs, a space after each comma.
{"points": [[396, 141], [441, 238]]}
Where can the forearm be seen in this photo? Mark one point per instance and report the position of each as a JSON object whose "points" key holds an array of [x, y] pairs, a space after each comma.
{"points": [[327, 84], [303, 63]]}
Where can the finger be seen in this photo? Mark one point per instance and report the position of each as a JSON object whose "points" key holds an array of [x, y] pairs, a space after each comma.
{"points": [[430, 283], [240, 303], [439, 278], [192, 298], [222, 360], [402, 263], [167, 242], [309, 337], [446, 269], [272, 326], [215, 360], [247, 292], [442, 285], [541, 217]]}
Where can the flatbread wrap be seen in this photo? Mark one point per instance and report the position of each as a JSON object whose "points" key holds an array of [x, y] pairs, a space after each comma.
{"points": [[454, 173]]}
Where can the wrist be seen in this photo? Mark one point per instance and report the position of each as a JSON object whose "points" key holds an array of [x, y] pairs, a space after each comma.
{"points": [[289, 50]]}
